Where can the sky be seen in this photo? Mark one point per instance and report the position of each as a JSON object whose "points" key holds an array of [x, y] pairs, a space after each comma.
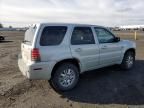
{"points": [[19, 13]]}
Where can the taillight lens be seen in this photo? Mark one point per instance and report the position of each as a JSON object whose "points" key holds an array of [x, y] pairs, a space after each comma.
{"points": [[35, 55]]}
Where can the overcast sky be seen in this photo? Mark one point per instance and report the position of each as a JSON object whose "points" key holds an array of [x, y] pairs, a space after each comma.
{"points": [[100, 12]]}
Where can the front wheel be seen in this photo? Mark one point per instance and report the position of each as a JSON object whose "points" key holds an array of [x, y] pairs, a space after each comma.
{"points": [[65, 77], [128, 60]]}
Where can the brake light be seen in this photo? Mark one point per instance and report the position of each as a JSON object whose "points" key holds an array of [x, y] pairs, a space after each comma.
{"points": [[35, 55]]}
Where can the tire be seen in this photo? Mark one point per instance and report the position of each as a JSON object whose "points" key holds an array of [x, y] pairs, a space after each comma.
{"points": [[65, 77], [128, 60]]}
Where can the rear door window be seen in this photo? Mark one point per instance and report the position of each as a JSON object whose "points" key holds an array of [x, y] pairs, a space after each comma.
{"points": [[82, 35], [52, 35]]}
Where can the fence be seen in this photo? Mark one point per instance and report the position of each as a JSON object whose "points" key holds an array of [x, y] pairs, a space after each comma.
{"points": [[132, 35]]}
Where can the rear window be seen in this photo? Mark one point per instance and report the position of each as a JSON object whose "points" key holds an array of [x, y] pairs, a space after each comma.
{"points": [[52, 35], [29, 35]]}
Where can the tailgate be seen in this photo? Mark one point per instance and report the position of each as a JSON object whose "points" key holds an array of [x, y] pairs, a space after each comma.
{"points": [[26, 52], [26, 46]]}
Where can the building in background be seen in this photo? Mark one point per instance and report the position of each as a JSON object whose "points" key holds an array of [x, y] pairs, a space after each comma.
{"points": [[132, 27]]}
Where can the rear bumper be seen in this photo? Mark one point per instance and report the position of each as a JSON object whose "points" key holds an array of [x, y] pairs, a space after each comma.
{"points": [[40, 70]]}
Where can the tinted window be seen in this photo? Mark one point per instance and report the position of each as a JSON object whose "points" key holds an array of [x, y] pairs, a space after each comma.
{"points": [[82, 35], [104, 36], [52, 35]]}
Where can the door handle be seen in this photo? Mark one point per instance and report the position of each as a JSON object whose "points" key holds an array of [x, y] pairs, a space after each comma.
{"points": [[78, 50], [104, 47]]}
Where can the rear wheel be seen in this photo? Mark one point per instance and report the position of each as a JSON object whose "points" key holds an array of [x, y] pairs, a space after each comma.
{"points": [[65, 77], [128, 60]]}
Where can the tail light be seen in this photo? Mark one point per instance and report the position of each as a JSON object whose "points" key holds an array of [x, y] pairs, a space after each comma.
{"points": [[35, 55]]}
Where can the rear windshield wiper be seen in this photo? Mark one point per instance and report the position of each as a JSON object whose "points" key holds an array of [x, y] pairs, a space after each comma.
{"points": [[25, 41]]}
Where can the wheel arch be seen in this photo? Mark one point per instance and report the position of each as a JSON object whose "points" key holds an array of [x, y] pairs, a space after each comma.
{"points": [[132, 50], [74, 61]]}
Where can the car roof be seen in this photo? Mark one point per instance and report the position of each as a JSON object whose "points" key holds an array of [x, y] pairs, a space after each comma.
{"points": [[69, 24]]}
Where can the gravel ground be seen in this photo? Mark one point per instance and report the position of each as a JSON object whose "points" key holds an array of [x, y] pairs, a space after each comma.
{"points": [[103, 88]]}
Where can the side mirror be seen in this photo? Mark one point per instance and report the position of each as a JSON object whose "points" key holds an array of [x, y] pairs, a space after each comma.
{"points": [[117, 39]]}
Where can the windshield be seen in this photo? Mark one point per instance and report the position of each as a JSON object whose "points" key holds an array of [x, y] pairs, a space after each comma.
{"points": [[29, 35]]}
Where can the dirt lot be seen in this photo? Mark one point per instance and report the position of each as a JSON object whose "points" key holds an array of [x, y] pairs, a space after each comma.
{"points": [[104, 88]]}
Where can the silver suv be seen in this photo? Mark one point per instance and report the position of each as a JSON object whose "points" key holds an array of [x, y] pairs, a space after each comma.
{"points": [[61, 52]]}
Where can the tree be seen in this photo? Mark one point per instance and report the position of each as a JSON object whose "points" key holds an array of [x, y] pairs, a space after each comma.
{"points": [[1, 26]]}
